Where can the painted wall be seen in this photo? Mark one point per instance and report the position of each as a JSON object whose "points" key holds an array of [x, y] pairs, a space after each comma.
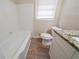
{"points": [[70, 15], [23, 1], [41, 26], [66, 16], [8, 16], [25, 13]]}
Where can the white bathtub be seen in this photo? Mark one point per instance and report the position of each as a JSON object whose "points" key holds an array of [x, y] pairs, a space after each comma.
{"points": [[15, 46]]}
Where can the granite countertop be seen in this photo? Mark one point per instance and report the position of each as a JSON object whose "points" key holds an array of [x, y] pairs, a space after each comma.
{"points": [[71, 36]]}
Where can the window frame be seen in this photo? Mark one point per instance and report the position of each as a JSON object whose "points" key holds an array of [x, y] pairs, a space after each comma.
{"points": [[41, 17]]}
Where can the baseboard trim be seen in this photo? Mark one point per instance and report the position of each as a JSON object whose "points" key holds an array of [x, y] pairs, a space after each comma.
{"points": [[35, 36]]}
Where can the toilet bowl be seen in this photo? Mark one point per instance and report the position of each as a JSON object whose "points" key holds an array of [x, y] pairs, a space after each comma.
{"points": [[46, 39]]}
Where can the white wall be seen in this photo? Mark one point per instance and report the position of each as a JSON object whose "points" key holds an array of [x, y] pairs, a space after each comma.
{"points": [[41, 26], [25, 12], [8, 16], [23, 1], [70, 15]]}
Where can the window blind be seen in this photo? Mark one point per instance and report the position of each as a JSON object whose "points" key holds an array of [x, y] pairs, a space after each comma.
{"points": [[45, 9]]}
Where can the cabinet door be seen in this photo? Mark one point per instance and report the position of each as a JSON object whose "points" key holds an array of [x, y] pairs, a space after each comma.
{"points": [[66, 47], [76, 55], [57, 52]]}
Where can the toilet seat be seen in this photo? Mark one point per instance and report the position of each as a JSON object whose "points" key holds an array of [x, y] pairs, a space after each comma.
{"points": [[46, 36]]}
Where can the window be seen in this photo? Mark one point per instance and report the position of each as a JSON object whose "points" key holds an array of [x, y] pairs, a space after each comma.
{"points": [[45, 9]]}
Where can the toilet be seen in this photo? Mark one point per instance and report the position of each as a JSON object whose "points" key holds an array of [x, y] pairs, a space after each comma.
{"points": [[46, 39]]}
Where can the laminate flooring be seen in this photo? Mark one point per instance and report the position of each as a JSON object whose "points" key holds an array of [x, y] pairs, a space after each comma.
{"points": [[37, 50]]}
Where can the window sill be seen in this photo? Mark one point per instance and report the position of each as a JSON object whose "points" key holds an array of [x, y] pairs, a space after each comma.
{"points": [[45, 19]]}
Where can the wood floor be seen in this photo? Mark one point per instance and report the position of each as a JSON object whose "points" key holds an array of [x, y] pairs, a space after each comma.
{"points": [[37, 50]]}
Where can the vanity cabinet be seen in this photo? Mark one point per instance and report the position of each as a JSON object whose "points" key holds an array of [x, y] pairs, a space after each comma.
{"points": [[61, 49]]}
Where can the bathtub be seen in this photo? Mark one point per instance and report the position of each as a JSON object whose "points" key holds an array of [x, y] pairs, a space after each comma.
{"points": [[15, 45]]}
